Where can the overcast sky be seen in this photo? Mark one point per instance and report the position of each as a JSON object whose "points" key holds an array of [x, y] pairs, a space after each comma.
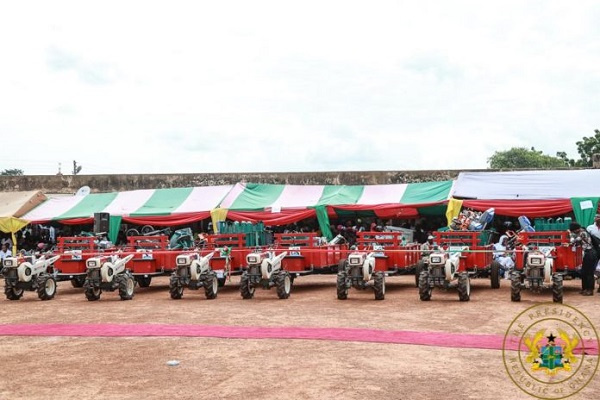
{"points": [[236, 86]]}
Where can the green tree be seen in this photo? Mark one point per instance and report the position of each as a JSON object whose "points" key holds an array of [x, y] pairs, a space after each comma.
{"points": [[11, 172], [586, 147], [521, 157]]}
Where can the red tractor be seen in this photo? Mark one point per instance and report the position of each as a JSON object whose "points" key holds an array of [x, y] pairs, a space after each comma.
{"points": [[542, 260]]}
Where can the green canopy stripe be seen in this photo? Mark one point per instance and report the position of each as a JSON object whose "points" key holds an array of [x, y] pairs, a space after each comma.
{"points": [[114, 225], [323, 219], [163, 202], [584, 209], [257, 197], [340, 195], [92, 203], [428, 192]]}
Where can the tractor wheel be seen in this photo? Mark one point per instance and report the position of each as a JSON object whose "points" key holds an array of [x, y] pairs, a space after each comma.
{"points": [[222, 281], [342, 288], [557, 289], [146, 229], [143, 281], [132, 232], [92, 294], [379, 285], [420, 267], [175, 290], [495, 274], [211, 286], [340, 267], [424, 288], [246, 289], [284, 284], [77, 281], [126, 287], [46, 288], [515, 287], [13, 293], [464, 287]]}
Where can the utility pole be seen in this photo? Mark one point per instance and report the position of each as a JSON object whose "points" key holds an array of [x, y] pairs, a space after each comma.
{"points": [[76, 168]]}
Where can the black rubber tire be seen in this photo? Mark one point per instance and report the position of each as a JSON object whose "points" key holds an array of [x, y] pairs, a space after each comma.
{"points": [[418, 269], [211, 286], [46, 287], [464, 287], [92, 294], [515, 287], [126, 287], [379, 285], [494, 274], [284, 284], [13, 293], [340, 267], [557, 289], [342, 289], [175, 290], [132, 232], [146, 229], [424, 288], [78, 281], [246, 290], [222, 281], [143, 281]]}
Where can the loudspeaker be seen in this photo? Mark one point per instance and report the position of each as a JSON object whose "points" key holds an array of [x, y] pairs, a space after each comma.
{"points": [[101, 222]]}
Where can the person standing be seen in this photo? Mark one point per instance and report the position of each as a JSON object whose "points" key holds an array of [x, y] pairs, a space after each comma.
{"points": [[581, 237], [594, 231]]}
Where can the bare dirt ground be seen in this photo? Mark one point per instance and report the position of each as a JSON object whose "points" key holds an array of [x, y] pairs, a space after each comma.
{"points": [[134, 368]]}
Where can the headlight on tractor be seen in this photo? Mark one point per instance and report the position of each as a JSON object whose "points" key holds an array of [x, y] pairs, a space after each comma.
{"points": [[354, 260], [182, 260], [252, 259], [536, 260], [8, 263], [435, 259], [92, 264]]}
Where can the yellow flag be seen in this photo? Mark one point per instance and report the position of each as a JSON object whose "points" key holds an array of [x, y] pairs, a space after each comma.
{"points": [[453, 209], [217, 214]]}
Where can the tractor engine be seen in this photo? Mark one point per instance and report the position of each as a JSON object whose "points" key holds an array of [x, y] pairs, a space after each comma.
{"points": [[358, 271], [437, 265], [538, 269], [265, 270], [108, 273], [29, 274], [194, 272], [10, 268]]}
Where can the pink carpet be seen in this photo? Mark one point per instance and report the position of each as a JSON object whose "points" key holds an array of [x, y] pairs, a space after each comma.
{"points": [[438, 339]]}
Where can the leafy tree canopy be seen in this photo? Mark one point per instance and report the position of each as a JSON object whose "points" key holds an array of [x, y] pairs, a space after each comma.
{"points": [[12, 172], [521, 157]]}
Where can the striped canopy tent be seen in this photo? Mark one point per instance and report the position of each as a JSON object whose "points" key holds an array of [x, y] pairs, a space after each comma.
{"points": [[283, 204], [160, 207], [13, 205]]}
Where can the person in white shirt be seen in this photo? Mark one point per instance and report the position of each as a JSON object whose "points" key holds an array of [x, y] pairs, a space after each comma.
{"points": [[52, 234], [594, 229], [5, 252], [505, 260]]}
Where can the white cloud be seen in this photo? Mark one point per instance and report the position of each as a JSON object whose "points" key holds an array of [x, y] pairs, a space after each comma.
{"points": [[268, 86]]}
